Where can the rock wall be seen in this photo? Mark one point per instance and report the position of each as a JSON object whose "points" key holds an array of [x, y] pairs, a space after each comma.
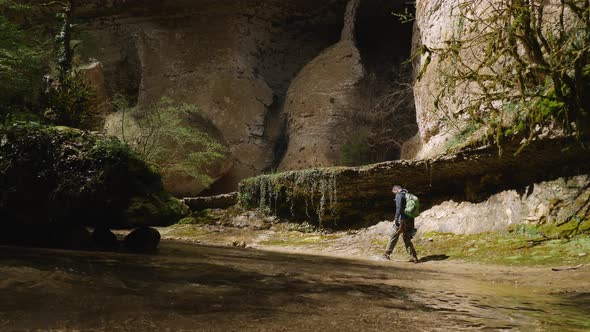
{"points": [[335, 96], [233, 59], [249, 65], [547, 202], [321, 101], [344, 197], [444, 25], [434, 25]]}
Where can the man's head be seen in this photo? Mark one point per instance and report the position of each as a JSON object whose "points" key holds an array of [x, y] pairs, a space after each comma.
{"points": [[396, 189]]}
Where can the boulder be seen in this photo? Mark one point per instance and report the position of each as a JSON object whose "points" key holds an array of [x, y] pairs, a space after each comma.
{"points": [[143, 240], [104, 239], [190, 152]]}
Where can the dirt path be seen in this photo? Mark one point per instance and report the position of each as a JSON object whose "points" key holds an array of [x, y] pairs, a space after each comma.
{"points": [[188, 287]]}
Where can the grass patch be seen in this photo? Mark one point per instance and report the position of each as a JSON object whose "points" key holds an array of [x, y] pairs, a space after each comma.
{"points": [[517, 248], [289, 239], [187, 231]]}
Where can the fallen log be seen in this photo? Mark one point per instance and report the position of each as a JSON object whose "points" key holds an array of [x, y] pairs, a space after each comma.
{"points": [[211, 202]]}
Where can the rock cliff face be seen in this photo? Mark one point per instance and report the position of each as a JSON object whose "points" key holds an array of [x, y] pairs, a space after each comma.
{"points": [[335, 96], [556, 202], [249, 65], [433, 26], [321, 101], [233, 59]]}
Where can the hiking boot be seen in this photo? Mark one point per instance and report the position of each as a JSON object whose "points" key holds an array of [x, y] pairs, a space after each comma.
{"points": [[414, 260], [385, 256]]}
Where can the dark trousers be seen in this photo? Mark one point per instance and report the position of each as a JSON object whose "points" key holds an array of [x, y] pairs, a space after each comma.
{"points": [[405, 228]]}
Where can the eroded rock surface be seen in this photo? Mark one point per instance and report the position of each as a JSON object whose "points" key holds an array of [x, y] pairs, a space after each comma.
{"points": [[434, 25], [546, 202], [320, 104], [321, 101], [233, 59], [248, 65]]}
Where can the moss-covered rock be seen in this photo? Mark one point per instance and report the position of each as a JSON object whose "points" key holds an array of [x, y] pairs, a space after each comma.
{"points": [[60, 176], [353, 197]]}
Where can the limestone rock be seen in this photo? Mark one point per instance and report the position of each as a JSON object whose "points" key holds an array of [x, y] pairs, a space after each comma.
{"points": [[509, 208], [433, 26], [320, 103], [234, 60]]}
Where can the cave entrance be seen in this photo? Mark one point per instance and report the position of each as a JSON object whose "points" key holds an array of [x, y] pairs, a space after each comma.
{"points": [[384, 41]]}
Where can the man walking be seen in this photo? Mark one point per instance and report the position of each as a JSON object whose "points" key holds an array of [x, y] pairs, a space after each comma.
{"points": [[404, 225]]}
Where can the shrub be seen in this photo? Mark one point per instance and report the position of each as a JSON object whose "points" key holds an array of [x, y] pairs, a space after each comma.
{"points": [[516, 66], [21, 67], [356, 151], [174, 137], [62, 175]]}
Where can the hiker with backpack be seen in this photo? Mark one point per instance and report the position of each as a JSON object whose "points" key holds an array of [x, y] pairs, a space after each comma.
{"points": [[407, 207]]}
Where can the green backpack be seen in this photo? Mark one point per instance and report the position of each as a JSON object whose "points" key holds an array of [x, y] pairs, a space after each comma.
{"points": [[412, 209]]}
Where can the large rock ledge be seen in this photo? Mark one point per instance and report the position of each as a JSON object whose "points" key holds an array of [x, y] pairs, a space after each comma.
{"points": [[341, 197]]}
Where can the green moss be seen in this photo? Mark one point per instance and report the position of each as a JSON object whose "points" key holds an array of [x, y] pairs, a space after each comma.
{"points": [[200, 218], [521, 247], [301, 195], [187, 231], [463, 139], [302, 240]]}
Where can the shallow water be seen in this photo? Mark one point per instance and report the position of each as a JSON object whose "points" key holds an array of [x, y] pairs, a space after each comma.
{"points": [[196, 288]]}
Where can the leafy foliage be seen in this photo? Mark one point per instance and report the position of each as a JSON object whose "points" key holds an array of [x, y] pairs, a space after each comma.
{"points": [[174, 137], [21, 65], [61, 96], [517, 66], [67, 100], [63, 175], [67, 95]]}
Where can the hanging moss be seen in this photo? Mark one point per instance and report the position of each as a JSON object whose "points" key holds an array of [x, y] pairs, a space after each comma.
{"points": [[305, 195]]}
